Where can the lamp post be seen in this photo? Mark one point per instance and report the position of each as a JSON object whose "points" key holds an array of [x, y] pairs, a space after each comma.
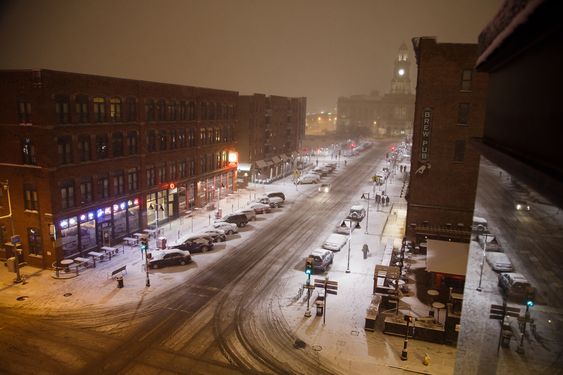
{"points": [[349, 241], [482, 262], [367, 216]]}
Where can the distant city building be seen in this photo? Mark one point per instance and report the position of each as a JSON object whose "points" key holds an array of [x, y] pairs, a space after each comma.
{"points": [[89, 160], [270, 132], [449, 112], [323, 123], [375, 114]]}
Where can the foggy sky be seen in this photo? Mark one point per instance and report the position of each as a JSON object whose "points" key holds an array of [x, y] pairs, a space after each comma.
{"points": [[320, 49]]}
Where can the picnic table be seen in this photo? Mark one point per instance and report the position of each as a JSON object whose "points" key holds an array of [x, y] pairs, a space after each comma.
{"points": [[131, 241], [150, 232], [94, 255], [110, 250]]}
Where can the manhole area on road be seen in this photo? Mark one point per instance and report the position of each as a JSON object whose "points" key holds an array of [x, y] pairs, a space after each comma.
{"points": [[22, 298], [317, 348], [299, 344], [67, 294]]}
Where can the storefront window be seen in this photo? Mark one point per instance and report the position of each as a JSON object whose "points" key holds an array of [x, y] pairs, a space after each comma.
{"points": [[103, 218], [34, 240], [69, 235], [151, 204], [133, 215], [119, 220], [182, 199], [87, 231]]}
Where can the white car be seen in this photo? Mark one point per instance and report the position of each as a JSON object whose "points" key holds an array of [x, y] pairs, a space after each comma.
{"points": [[260, 208], [218, 235], [228, 228], [309, 179], [273, 201], [499, 262]]}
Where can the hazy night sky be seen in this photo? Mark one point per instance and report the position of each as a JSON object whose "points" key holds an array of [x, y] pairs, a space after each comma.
{"points": [[318, 49]]}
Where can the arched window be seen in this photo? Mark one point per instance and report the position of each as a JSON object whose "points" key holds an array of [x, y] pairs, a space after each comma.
{"points": [[115, 109], [81, 108], [161, 110], [62, 109], [99, 109], [163, 140], [131, 104], [150, 110]]}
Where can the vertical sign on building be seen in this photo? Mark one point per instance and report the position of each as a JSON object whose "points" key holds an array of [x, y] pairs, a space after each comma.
{"points": [[426, 130]]}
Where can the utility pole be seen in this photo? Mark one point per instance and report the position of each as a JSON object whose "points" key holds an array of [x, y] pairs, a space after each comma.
{"points": [[367, 216], [483, 262]]}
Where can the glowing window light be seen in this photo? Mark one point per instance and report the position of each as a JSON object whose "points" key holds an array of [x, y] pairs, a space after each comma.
{"points": [[82, 217], [115, 207], [129, 203], [107, 211], [72, 221], [136, 201], [63, 223], [122, 205], [99, 213], [90, 215]]}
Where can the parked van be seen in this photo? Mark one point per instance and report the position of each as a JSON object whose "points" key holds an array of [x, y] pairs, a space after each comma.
{"points": [[335, 242], [514, 286], [322, 259]]}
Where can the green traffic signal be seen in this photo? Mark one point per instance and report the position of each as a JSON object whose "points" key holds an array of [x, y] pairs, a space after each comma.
{"points": [[530, 303]]}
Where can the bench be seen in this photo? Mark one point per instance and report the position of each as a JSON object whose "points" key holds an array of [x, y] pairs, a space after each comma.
{"points": [[119, 272]]}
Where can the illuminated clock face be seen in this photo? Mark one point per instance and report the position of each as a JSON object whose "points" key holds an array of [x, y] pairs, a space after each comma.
{"points": [[401, 72]]}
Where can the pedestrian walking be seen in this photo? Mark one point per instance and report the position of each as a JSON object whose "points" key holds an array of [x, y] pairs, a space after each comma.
{"points": [[387, 200], [365, 250]]}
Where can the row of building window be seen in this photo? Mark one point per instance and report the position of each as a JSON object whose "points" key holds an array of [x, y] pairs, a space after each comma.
{"points": [[123, 182], [117, 110], [156, 141]]}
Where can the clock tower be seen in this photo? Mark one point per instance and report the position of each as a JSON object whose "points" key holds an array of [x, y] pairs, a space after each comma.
{"points": [[401, 83]]}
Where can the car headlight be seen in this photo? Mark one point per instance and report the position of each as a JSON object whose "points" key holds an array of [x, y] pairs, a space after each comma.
{"points": [[518, 206]]}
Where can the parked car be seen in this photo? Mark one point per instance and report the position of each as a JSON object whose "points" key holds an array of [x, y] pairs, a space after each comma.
{"points": [[229, 228], [217, 235], [278, 194], [322, 259], [309, 179], [492, 242], [335, 242], [260, 208], [357, 213], [239, 219], [499, 262], [324, 188], [344, 228], [273, 201], [194, 245], [479, 225], [514, 286], [162, 258], [249, 212]]}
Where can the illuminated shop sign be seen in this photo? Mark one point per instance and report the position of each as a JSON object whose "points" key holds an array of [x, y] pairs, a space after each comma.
{"points": [[426, 132]]}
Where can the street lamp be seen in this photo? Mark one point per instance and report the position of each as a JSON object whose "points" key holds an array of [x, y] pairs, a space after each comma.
{"points": [[156, 215], [349, 241], [483, 261], [367, 216]]}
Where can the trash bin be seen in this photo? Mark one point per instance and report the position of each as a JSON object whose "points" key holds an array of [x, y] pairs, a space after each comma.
{"points": [[161, 242], [119, 281], [320, 308]]}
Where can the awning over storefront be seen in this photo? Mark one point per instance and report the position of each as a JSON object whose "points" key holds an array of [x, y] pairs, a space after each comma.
{"points": [[269, 163], [261, 164], [447, 257], [245, 167], [276, 160]]}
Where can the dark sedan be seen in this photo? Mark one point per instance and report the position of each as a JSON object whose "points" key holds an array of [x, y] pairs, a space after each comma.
{"points": [[162, 258]]}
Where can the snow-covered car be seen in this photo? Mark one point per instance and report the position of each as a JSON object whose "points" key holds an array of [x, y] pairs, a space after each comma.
{"points": [[357, 213], [195, 244], [522, 206], [229, 228], [260, 208], [335, 242], [272, 201], [492, 243], [344, 228], [217, 235], [249, 212], [309, 179], [161, 258], [499, 262], [279, 194]]}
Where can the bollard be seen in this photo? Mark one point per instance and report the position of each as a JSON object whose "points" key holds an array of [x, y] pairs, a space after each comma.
{"points": [[426, 360]]}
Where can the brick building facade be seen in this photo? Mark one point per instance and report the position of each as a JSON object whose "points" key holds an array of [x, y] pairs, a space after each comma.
{"points": [[88, 160], [449, 111], [270, 132]]}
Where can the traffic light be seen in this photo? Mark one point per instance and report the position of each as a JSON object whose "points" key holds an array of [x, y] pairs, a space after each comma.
{"points": [[309, 266], [530, 302], [530, 298]]}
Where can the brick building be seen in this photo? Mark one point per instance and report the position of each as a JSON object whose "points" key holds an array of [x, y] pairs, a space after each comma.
{"points": [[88, 160], [270, 131], [449, 111]]}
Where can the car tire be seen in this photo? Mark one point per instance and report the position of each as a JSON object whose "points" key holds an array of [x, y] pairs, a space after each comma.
{"points": [[154, 266], [204, 249], [182, 262], [230, 232]]}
